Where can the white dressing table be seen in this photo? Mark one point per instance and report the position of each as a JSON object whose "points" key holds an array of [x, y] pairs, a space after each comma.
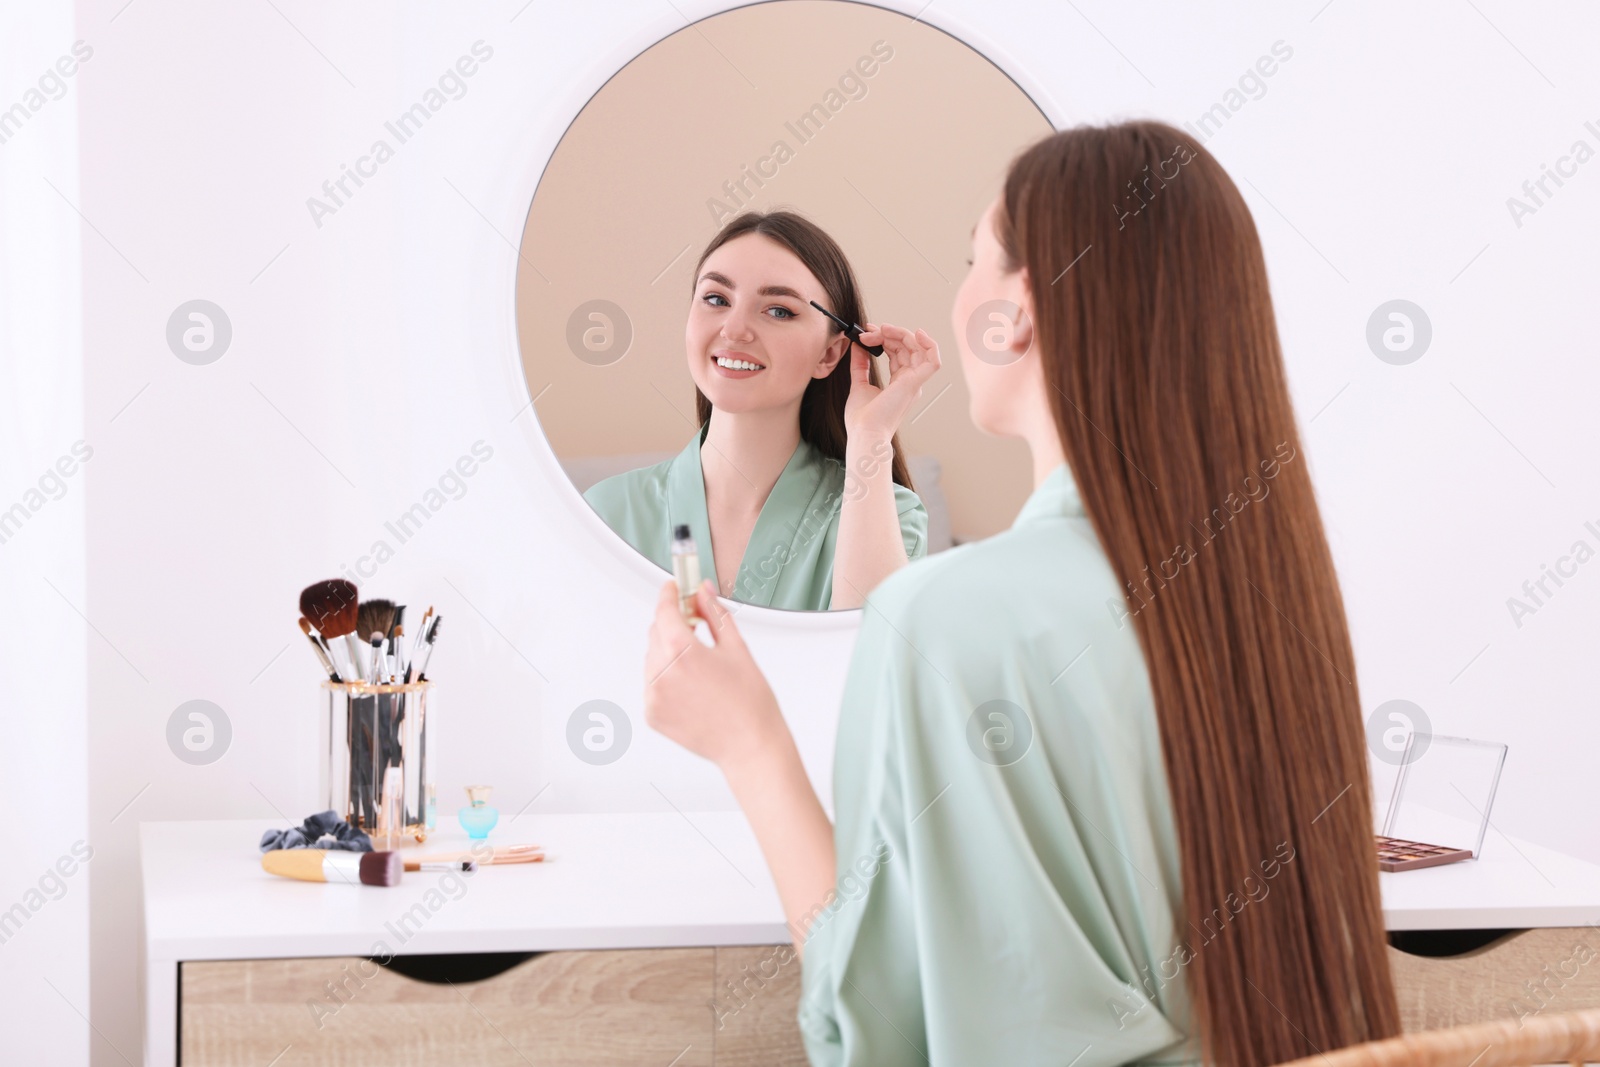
{"points": [[644, 920]]}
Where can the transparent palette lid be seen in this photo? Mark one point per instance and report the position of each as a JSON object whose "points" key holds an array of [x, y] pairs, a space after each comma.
{"points": [[1443, 791]]}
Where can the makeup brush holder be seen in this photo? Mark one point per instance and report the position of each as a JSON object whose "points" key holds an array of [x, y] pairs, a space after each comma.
{"points": [[377, 759]]}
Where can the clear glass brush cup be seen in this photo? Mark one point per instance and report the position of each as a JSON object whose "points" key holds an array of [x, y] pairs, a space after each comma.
{"points": [[377, 758]]}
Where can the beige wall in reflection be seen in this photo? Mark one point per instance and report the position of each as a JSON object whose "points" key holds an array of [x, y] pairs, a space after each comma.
{"points": [[897, 166]]}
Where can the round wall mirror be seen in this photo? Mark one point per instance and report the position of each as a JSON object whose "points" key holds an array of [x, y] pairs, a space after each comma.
{"points": [[879, 139]]}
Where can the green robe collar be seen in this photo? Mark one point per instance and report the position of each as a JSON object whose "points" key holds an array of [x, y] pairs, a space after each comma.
{"points": [[796, 492], [1057, 495]]}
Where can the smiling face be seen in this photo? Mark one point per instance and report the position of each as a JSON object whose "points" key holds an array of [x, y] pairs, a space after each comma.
{"points": [[753, 340], [993, 311]]}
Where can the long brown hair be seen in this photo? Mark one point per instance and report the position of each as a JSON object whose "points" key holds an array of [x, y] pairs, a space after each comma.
{"points": [[1166, 380], [822, 405]]}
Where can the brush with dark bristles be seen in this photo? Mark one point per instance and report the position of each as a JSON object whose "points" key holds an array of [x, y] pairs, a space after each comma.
{"points": [[330, 606], [375, 674], [433, 632], [375, 614], [332, 865], [324, 657]]}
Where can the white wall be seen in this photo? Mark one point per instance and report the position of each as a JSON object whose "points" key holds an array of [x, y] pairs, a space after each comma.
{"points": [[372, 351], [44, 908]]}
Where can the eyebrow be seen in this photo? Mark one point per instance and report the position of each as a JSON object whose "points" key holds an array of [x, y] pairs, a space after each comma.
{"points": [[765, 290]]}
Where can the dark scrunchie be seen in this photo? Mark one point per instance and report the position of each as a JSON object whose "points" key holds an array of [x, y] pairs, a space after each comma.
{"points": [[314, 833]]}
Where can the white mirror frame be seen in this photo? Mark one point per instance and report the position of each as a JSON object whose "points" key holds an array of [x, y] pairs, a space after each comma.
{"points": [[518, 172]]}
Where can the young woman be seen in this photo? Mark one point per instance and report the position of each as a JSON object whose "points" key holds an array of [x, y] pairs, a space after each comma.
{"points": [[794, 487], [1100, 781]]}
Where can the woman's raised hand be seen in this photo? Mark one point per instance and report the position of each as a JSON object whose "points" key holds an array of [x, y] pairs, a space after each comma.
{"points": [[712, 700], [913, 357]]}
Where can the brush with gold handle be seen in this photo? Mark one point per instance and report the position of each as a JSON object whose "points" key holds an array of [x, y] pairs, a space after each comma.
{"points": [[500, 854]]}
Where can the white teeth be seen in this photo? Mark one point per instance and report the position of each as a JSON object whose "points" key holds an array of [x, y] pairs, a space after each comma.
{"points": [[737, 364]]}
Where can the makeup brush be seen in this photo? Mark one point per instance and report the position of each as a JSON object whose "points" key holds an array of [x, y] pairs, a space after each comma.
{"points": [[501, 854], [433, 633], [375, 673], [317, 647], [375, 614], [422, 631], [392, 639], [400, 663], [461, 866], [851, 331], [334, 865], [419, 643], [331, 607]]}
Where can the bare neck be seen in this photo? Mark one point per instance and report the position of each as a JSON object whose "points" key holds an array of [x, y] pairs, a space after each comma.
{"points": [[1039, 431], [1047, 455], [743, 455]]}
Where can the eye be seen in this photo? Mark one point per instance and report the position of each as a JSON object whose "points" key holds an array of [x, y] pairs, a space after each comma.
{"points": [[710, 297], [787, 314]]}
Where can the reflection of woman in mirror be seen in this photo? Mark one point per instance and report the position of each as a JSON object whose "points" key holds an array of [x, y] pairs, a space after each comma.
{"points": [[794, 486], [1090, 774]]}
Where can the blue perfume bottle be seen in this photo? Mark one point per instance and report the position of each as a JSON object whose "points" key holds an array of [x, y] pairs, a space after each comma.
{"points": [[479, 818]]}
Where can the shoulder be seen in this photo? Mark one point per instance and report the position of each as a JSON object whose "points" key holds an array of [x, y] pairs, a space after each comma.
{"points": [[1034, 616], [626, 488], [1044, 578]]}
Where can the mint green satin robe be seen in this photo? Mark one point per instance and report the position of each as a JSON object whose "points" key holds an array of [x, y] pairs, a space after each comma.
{"points": [[788, 561], [1008, 881]]}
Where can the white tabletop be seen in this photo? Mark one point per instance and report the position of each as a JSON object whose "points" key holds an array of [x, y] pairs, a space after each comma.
{"points": [[652, 880], [631, 881], [609, 881], [1513, 885]]}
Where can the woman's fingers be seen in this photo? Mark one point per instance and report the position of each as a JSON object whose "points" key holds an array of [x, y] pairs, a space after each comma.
{"points": [[903, 347], [864, 339], [717, 617], [667, 629], [887, 334], [918, 352], [894, 336], [913, 358], [860, 364], [667, 601]]}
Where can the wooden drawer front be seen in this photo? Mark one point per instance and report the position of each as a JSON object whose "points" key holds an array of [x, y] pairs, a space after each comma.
{"points": [[1526, 973], [753, 1015], [647, 1006]]}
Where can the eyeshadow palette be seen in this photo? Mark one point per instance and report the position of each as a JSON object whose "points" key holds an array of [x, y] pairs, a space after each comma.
{"points": [[1395, 854]]}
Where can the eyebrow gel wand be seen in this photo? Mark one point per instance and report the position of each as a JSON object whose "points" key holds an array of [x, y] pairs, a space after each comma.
{"points": [[853, 332]]}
